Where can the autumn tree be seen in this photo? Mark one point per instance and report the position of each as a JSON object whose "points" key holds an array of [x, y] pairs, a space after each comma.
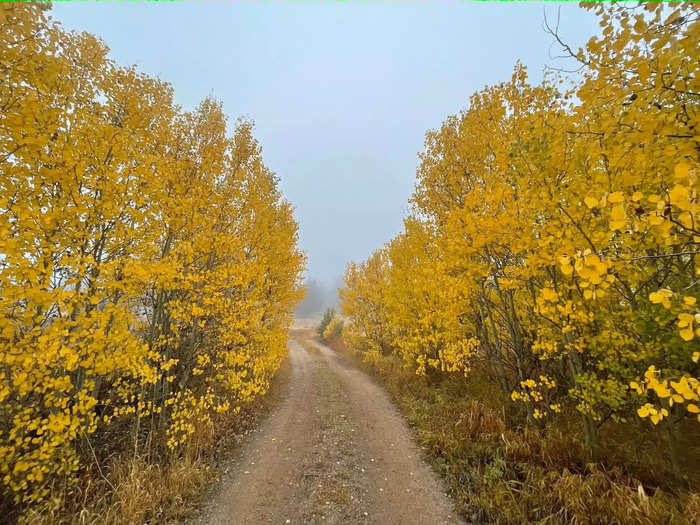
{"points": [[553, 243], [148, 263]]}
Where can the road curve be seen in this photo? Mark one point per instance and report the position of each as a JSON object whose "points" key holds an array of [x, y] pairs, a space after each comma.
{"points": [[335, 451]]}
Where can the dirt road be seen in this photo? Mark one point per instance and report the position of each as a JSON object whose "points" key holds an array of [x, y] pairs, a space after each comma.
{"points": [[334, 451]]}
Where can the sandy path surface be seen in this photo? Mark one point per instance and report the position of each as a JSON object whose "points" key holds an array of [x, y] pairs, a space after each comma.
{"points": [[335, 451]]}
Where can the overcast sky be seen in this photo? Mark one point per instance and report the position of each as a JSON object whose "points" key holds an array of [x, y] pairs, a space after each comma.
{"points": [[341, 92]]}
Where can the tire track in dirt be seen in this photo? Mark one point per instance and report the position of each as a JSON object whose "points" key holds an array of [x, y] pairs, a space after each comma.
{"points": [[335, 451]]}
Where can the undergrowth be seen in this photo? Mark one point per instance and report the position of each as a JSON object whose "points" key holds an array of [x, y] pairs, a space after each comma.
{"points": [[503, 473], [130, 487]]}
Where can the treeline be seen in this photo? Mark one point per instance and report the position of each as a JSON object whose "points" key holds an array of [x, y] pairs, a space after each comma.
{"points": [[148, 263], [318, 297], [554, 244]]}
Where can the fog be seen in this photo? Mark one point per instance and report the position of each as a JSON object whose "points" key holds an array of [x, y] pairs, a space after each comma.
{"points": [[319, 297]]}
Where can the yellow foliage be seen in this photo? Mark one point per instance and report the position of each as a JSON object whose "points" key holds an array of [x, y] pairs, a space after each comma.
{"points": [[556, 233], [148, 265]]}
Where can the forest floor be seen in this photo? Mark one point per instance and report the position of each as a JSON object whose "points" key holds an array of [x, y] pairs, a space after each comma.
{"points": [[335, 450]]}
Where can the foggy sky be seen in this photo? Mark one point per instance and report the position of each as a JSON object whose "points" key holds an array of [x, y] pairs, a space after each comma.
{"points": [[342, 93]]}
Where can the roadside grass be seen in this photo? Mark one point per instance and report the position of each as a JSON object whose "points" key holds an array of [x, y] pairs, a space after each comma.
{"points": [[303, 337], [132, 488], [502, 473]]}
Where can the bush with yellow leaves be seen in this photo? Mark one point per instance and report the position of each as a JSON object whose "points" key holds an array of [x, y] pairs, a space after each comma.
{"points": [[334, 328], [554, 239], [148, 264]]}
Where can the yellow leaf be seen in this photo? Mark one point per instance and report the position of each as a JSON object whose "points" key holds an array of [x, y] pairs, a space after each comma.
{"points": [[685, 319], [548, 294], [591, 202], [680, 196], [655, 220], [681, 171], [660, 295], [687, 334], [616, 197], [618, 217]]}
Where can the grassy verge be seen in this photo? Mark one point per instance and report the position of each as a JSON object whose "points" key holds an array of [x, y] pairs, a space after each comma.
{"points": [[132, 488], [498, 473]]}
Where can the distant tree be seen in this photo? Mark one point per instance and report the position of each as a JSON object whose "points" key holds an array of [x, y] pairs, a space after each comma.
{"points": [[328, 316], [318, 297], [313, 301]]}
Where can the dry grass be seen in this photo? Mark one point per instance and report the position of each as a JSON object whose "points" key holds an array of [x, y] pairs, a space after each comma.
{"points": [[304, 339], [133, 489], [500, 473]]}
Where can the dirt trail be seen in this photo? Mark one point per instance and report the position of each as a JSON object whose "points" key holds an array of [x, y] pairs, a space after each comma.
{"points": [[334, 451]]}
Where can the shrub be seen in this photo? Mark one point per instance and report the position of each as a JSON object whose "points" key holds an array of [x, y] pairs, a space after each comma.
{"points": [[148, 263]]}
